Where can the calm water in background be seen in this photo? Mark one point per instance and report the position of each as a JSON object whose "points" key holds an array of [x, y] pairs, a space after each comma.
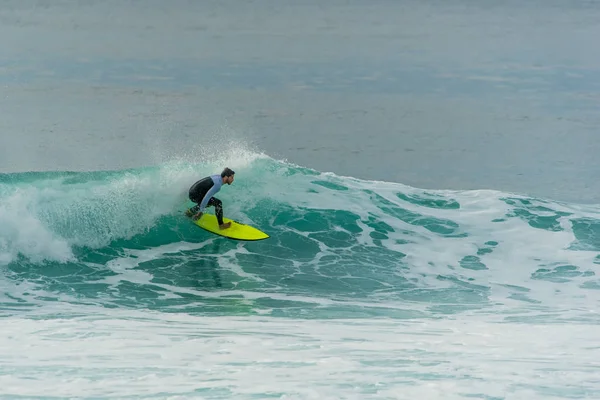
{"points": [[375, 283], [493, 95]]}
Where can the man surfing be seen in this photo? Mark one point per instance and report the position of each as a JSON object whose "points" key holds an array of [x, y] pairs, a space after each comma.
{"points": [[202, 193]]}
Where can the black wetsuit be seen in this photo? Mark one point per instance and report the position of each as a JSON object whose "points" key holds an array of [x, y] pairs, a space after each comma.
{"points": [[202, 193]]}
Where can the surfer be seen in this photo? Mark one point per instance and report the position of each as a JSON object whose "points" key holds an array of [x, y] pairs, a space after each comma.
{"points": [[203, 191]]}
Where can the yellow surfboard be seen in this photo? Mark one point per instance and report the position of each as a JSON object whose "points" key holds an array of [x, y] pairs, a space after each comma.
{"points": [[236, 231]]}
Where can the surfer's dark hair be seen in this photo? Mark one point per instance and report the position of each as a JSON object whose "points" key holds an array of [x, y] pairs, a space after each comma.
{"points": [[227, 172]]}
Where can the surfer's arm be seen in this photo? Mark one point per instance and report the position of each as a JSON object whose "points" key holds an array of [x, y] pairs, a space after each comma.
{"points": [[207, 197]]}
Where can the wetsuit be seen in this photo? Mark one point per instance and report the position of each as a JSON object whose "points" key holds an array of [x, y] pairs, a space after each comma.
{"points": [[202, 193]]}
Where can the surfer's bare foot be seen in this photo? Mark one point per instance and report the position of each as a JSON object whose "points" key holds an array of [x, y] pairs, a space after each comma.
{"points": [[197, 216], [225, 225]]}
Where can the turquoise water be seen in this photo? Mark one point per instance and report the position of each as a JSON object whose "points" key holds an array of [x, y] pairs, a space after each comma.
{"points": [[339, 247], [369, 288]]}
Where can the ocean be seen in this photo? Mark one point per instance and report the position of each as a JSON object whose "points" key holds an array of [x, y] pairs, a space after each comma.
{"points": [[426, 172]]}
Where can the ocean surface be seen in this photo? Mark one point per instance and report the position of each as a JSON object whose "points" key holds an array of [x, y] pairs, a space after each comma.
{"points": [[427, 172]]}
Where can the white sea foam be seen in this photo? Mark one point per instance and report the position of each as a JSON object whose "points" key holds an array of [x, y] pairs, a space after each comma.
{"points": [[144, 354], [22, 232]]}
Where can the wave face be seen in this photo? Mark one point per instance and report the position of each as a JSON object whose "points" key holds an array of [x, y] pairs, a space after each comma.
{"points": [[107, 258], [339, 246]]}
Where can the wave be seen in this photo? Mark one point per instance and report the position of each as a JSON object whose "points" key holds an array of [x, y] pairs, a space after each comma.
{"points": [[334, 241]]}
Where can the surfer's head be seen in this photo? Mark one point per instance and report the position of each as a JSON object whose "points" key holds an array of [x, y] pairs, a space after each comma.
{"points": [[227, 175]]}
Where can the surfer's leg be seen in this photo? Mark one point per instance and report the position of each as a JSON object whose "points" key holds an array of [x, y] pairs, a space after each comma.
{"points": [[218, 208], [196, 197]]}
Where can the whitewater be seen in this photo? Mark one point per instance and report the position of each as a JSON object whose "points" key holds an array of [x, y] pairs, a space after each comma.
{"points": [[365, 289]]}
